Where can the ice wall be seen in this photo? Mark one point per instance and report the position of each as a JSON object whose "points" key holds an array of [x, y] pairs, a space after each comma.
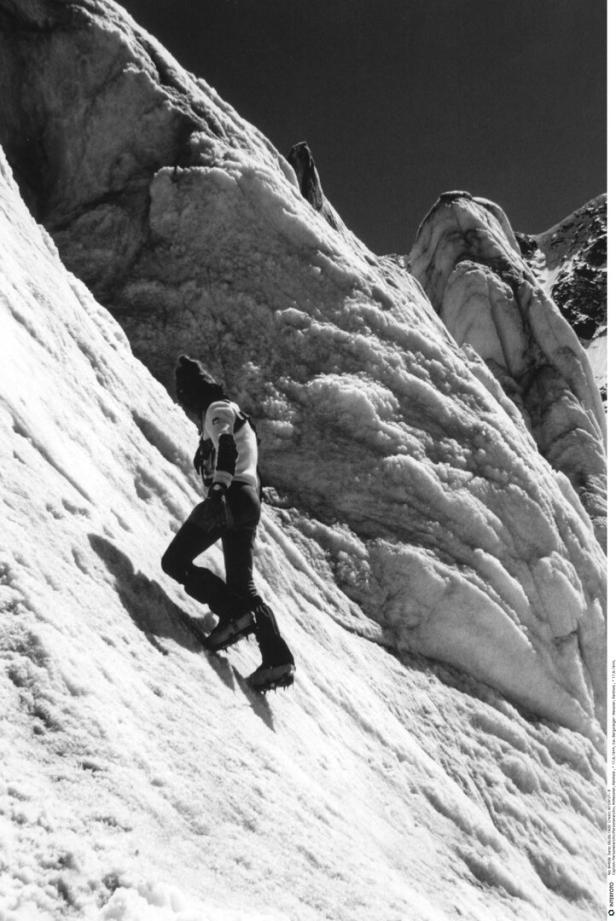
{"points": [[469, 262]]}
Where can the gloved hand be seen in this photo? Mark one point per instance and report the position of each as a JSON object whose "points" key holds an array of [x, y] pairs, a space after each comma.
{"points": [[202, 460], [227, 453]]}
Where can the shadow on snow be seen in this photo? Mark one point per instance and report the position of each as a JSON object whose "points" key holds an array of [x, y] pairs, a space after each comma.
{"points": [[158, 617]]}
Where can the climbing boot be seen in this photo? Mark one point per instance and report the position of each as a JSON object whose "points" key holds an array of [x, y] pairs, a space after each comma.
{"points": [[269, 677], [229, 630]]}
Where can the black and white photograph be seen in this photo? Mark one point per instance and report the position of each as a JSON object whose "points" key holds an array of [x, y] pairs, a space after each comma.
{"points": [[303, 476]]}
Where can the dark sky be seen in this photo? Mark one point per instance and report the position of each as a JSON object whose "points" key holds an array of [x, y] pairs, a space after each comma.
{"points": [[400, 100]]}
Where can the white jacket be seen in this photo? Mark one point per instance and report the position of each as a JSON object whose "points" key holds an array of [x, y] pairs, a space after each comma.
{"points": [[224, 418]]}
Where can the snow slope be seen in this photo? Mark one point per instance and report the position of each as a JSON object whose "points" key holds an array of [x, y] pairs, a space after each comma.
{"points": [[393, 453], [141, 780]]}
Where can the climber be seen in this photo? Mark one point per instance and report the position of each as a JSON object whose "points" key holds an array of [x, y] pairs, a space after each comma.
{"points": [[226, 461]]}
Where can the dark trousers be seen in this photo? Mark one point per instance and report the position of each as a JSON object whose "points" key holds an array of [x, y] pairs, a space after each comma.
{"points": [[234, 521]]}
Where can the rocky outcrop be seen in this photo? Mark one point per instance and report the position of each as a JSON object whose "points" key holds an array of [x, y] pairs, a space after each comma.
{"points": [[471, 267], [573, 266], [383, 440], [301, 159], [570, 260]]}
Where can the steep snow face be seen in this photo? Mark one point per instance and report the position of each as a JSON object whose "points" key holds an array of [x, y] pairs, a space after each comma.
{"points": [[393, 449], [141, 780], [469, 263]]}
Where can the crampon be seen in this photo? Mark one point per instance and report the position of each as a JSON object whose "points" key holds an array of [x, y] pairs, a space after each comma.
{"points": [[271, 677], [228, 633]]}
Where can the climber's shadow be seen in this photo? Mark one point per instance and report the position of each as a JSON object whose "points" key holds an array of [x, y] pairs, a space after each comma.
{"points": [[158, 617]]}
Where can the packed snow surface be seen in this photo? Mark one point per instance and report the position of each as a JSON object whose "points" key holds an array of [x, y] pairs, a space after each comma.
{"points": [[142, 780]]}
